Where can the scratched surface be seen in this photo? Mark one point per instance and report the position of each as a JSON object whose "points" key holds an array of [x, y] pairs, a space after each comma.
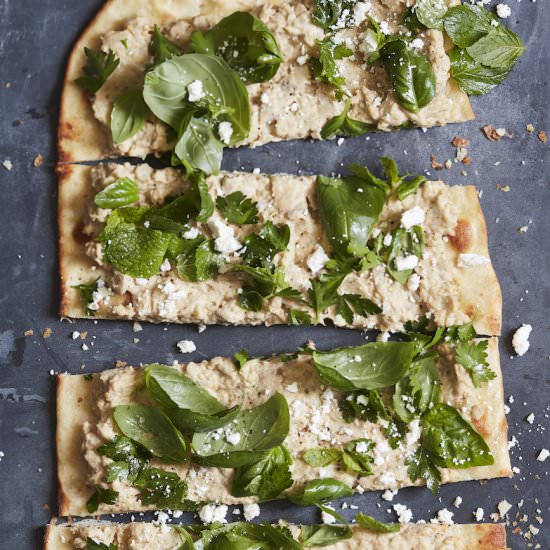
{"points": [[35, 38]]}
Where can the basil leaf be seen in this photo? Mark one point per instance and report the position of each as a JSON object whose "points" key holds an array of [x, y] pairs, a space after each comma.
{"points": [[404, 243], [87, 294], [98, 69], [368, 522], [319, 491], [324, 535], [241, 358], [199, 263], [267, 478], [466, 24], [245, 43], [411, 75], [185, 419], [363, 405], [151, 428], [299, 317], [431, 13], [128, 116], [472, 77], [129, 458], [238, 208], [161, 488], [165, 91], [320, 457], [356, 458], [101, 496], [161, 48], [349, 208], [249, 435], [261, 247], [453, 439], [325, 68], [371, 366], [198, 148], [500, 48], [423, 465], [121, 192], [344, 126], [333, 14], [91, 544], [473, 357]]}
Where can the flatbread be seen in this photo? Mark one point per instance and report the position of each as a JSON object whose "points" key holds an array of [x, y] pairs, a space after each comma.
{"points": [[451, 294], [84, 410], [482, 536], [82, 138]]}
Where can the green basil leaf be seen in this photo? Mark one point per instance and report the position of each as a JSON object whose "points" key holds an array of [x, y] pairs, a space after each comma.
{"points": [[431, 13], [320, 491], [324, 535], [500, 48], [343, 126], [325, 68], [249, 435], [473, 357], [161, 48], [366, 405], [371, 366], [320, 457], [356, 457], [267, 478], [299, 317], [241, 358], [411, 75], [121, 192], [165, 91], [129, 458], [447, 435], [349, 208], [91, 544], [424, 465], [98, 69], [200, 263], [261, 247], [153, 429], [198, 148], [128, 116], [368, 522], [467, 23], [101, 496], [404, 243], [245, 43], [161, 488], [333, 14], [473, 77], [238, 208], [200, 422], [87, 294]]}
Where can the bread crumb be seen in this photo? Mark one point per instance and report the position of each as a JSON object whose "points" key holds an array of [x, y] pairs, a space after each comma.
{"points": [[29, 332], [47, 333], [38, 160], [530, 128], [436, 165], [491, 133], [503, 188], [542, 136], [459, 141]]}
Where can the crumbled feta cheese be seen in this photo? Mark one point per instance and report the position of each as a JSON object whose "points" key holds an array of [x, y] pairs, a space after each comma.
{"points": [[186, 346], [386, 241], [520, 340], [225, 242], [417, 43], [264, 98], [404, 515], [302, 60], [317, 260], [292, 388], [251, 511], [75, 335], [362, 447], [360, 12], [327, 518], [8, 165], [225, 131], [211, 513], [404, 263], [368, 42], [195, 91], [472, 260], [503, 507], [385, 28], [503, 11], [388, 494], [530, 418], [543, 455], [383, 337], [191, 233], [413, 282], [233, 438], [445, 517], [165, 266], [478, 514], [457, 502], [413, 216]]}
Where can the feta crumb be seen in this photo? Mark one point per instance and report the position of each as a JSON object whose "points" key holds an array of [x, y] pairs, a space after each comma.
{"points": [[478, 514], [8, 165], [225, 131], [445, 517], [404, 515], [75, 335], [387, 240], [404, 263], [327, 518], [211, 513], [520, 340], [191, 233], [251, 511], [360, 12], [413, 216], [543, 455], [503, 507], [233, 438], [186, 346], [195, 91], [413, 282], [457, 502], [383, 337], [302, 60], [292, 388], [472, 260], [317, 260], [225, 242], [417, 43], [503, 11], [530, 418], [388, 494]]}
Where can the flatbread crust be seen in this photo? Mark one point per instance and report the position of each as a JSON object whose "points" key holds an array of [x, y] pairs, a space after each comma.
{"points": [[76, 397], [478, 295], [83, 138]]}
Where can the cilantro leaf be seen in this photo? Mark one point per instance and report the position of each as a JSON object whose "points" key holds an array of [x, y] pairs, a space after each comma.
{"points": [[161, 488], [161, 48], [238, 208], [98, 69], [368, 522], [87, 294], [325, 68], [241, 358], [363, 405], [473, 357], [423, 465], [101, 496]]}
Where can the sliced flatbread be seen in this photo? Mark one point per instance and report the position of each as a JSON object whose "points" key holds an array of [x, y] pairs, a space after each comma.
{"points": [[448, 289], [291, 105], [147, 536], [85, 407]]}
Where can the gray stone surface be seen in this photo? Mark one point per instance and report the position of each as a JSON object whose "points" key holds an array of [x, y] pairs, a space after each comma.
{"points": [[35, 39]]}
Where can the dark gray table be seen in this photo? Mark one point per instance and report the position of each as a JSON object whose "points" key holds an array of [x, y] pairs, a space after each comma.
{"points": [[35, 39]]}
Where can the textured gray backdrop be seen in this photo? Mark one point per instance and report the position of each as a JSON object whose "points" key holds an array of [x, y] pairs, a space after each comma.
{"points": [[35, 39]]}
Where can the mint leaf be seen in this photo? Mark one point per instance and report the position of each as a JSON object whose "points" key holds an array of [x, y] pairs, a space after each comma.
{"points": [[128, 116], [431, 13], [320, 457], [423, 465], [499, 48], [101, 496], [320, 491], [368, 522], [333, 14], [162, 489], [473, 357], [98, 69], [121, 192], [238, 208], [466, 24]]}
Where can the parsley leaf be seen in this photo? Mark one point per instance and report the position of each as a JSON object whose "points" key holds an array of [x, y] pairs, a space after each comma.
{"points": [[473, 357], [368, 522], [325, 68], [363, 405], [161, 488], [99, 67], [423, 465], [101, 496], [200, 262], [299, 317], [238, 208], [348, 304], [161, 48], [129, 458], [261, 247], [241, 358], [87, 294]]}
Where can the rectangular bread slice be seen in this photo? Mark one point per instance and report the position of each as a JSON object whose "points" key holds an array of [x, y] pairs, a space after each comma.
{"points": [[84, 422], [449, 287]]}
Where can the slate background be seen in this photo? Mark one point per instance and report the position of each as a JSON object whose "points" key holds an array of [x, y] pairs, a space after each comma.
{"points": [[35, 39]]}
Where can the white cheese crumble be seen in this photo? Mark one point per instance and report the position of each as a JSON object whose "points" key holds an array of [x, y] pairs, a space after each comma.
{"points": [[478, 514], [404, 263], [292, 388], [225, 131], [368, 42], [317, 260], [251, 511], [503, 11], [195, 91], [302, 60], [211, 513], [327, 518], [387, 239], [75, 335], [503, 507], [417, 43], [225, 237], [457, 502], [388, 494], [383, 337], [445, 517], [472, 260], [520, 340], [186, 346], [191, 233], [413, 216], [413, 282], [8, 165], [543, 455], [360, 13], [404, 515], [233, 438]]}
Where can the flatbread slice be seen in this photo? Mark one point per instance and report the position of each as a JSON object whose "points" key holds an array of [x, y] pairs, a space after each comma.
{"points": [[483, 536], [289, 106], [85, 407], [455, 282]]}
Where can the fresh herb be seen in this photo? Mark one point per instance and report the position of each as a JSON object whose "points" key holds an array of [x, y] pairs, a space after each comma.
{"points": [[299, 317], [128, 116], [333, 14], [473, 357], [88, 376], [261, 247], [129, 458], [87, 294], [325, 68], [320, 457], [324, 291], [500, 48], [424, 465], [368, 522], [98, 69], [324, 535], [430, 13], [199, 262], [245, 43], [122, 192], [161, 48], [238, 208], [366, 405], [349, 304], [161, 488], [466, 24], [91, 544], [404, 243], [411, 74], [101, 496], [241, 358], [345, 126], [320, 491], [356, 457], [395, 432], [267, 478]]}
